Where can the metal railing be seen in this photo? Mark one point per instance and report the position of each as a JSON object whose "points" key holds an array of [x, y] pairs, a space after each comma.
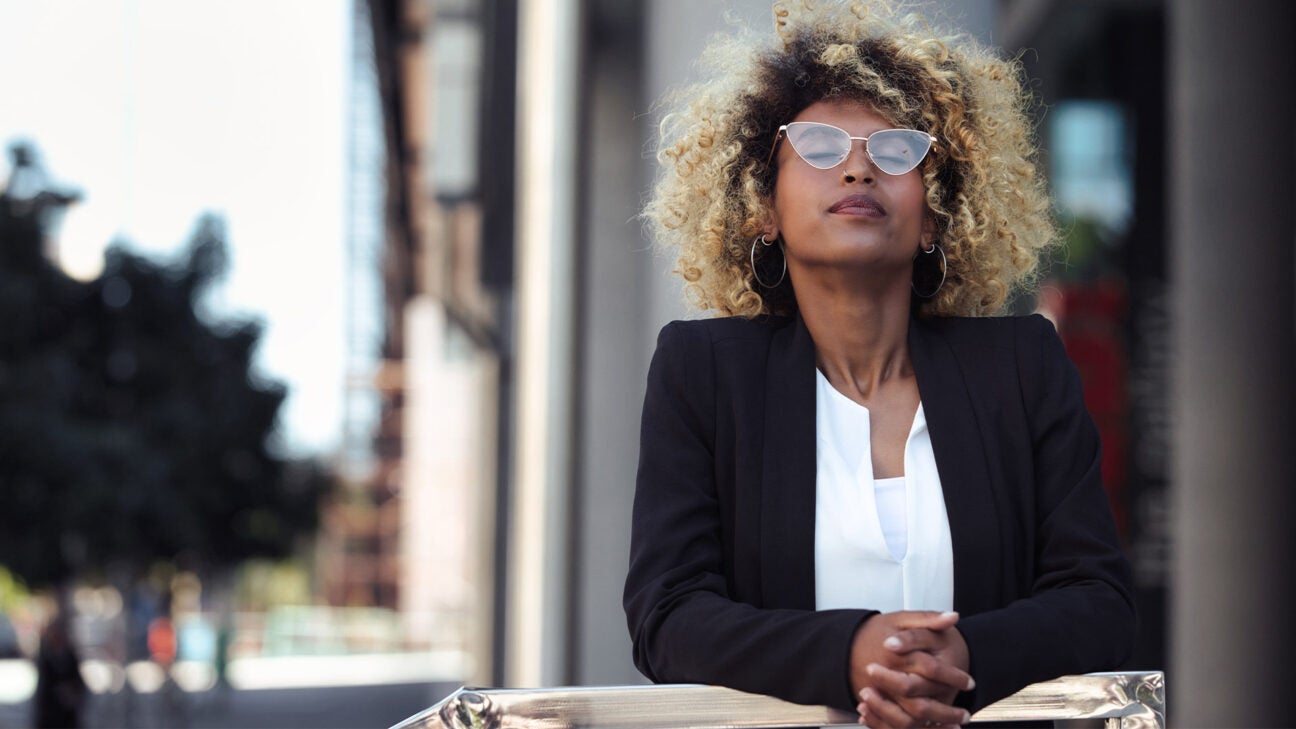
{"points": [[1134, 700]]}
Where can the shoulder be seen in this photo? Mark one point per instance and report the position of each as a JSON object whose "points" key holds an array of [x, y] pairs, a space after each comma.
{"points": [[1025, 350], [1047, 379], [729, 327], [694, 334], [703, 356], [997, 329], [981, 335]]}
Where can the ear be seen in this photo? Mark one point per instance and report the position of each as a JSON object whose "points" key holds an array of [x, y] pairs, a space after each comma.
{"points": [[770, 228], [928, 236]]}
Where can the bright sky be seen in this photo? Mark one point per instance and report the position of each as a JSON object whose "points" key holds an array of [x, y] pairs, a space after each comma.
{"points": [[159, 110]]}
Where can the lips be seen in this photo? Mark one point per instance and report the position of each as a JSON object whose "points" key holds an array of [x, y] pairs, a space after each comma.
{"points": [[858, 204]]}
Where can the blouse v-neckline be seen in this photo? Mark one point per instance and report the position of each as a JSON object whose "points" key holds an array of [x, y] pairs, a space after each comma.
{"points": [[876, 546], [850, 429]]}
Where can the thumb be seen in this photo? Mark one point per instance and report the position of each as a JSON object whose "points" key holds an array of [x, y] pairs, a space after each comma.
{"points": [[929, 619]]}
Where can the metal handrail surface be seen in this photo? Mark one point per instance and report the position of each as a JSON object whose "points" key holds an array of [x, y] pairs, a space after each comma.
{"points": [[1129, 700]]}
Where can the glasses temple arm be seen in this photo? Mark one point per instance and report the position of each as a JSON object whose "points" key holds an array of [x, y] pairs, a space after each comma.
{"points": [[778, 136]]}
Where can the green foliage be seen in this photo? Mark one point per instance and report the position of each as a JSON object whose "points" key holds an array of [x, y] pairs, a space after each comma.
{"points": [[12, 591], [261, 585], [132, 429]]}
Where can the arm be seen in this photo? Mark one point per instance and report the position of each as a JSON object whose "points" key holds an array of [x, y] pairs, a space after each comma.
{"points": [[684, 625], [1080, 614]]}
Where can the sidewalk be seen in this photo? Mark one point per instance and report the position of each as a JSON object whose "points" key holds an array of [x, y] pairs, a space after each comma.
{"points": [[327, 692], [334, 707]]}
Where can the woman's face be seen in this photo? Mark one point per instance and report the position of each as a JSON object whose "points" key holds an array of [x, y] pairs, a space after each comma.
{"points": [[853, 215]]}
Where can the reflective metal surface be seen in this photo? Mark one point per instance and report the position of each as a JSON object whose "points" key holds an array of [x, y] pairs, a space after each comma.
{"points": [[1128, 700], [1135, 700]]}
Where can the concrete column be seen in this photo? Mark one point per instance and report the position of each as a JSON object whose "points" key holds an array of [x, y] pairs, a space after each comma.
{"points": [[539, 590], [1232, 218], [614, 271]]}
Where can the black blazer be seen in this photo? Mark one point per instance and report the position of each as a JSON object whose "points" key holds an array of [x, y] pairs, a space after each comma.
{"points": [[721, 582]]}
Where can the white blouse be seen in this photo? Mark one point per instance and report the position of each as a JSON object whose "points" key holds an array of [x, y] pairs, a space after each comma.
{"points": [[880, 544]]}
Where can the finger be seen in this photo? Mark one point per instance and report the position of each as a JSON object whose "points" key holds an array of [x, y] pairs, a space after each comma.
{"points": [[911, 712], [921, 639], [872, 721], [879, 711], [900, 684], [930, 712], [929, 619], [926, 665]]}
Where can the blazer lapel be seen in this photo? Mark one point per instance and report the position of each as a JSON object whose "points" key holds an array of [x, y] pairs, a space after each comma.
{"points": [[788, 471], [961, 462]]}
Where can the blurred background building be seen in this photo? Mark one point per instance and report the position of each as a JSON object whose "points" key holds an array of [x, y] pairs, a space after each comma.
{"points": [[502, 305]]}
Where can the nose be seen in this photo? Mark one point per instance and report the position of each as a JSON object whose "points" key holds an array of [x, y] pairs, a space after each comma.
{"points": [[857, 167]]}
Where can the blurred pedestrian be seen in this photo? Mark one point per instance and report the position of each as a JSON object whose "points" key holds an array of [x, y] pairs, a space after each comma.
{"points": [[60, 689]]}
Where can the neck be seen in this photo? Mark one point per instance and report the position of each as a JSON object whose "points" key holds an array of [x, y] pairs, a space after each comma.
{"points": [[861, 335]]}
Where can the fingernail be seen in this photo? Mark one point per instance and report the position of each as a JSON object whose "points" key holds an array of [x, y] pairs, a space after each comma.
{"points": [[893, 643], [949, 614], [871, 668], [966, 717], [866, 694], [971, 684]]}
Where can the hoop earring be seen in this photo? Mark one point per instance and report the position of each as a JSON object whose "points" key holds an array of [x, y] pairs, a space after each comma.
{"points": [[943, 269], [755, 274]]}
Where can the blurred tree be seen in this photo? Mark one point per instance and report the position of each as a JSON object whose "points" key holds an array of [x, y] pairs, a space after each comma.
{"points": [[132, 428]]}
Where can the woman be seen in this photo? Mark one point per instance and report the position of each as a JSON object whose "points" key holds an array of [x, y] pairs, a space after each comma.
{"points": [[857, 489]]}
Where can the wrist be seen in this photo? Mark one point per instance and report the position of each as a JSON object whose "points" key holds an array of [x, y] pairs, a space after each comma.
{"points": [[857, 659], [960, 655]]}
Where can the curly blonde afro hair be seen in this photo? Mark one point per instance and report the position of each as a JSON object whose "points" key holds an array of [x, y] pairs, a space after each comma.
{"points": [[983, 190]]}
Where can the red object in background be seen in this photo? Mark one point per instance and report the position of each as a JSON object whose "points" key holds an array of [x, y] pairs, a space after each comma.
{"points": [[162, 641], [1091, 324]]}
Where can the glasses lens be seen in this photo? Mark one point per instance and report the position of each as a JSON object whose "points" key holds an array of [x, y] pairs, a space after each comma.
{"points": [[896, 151], [820, 145]]}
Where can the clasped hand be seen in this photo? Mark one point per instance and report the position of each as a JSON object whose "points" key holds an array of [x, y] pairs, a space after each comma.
{"points": [[907, 667]]}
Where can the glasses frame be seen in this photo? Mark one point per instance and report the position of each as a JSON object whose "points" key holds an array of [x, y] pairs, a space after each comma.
{"points": [[782, 134]]}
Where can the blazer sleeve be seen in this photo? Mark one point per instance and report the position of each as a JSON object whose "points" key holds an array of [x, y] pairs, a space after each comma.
{"points": [[684, 626], [1080, 615]]}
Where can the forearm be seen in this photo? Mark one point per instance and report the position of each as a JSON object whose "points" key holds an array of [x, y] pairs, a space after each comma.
{"points": [[797, 655], [1063, 632]]}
